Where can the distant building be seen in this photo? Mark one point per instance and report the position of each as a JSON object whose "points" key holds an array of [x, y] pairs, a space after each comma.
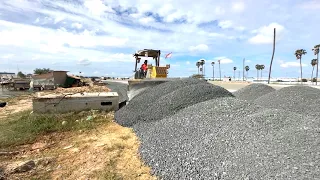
{"points": [[7, 75], [55, 78]]}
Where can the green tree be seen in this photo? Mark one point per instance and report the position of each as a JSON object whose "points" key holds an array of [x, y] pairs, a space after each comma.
{"points": [[313, 63], [261, 68], [198, 65], [247, 68], [299, 53], [21, 75], [42, 70], [258, 68], [234, 72], [316, 52]]}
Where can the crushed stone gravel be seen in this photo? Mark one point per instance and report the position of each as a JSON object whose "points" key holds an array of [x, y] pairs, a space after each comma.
{"points": [[229, 138], [129, 114], [253, 91], [171, 103], [298, 99]]}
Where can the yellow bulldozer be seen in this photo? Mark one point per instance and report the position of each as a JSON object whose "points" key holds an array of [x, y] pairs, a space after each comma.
{"points": [[154, 74]]}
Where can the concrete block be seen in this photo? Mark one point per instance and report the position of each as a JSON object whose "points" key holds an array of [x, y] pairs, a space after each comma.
{"points": [[62, 103]]}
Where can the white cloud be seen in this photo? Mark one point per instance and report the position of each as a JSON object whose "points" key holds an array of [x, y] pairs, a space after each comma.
{"points": [[146, 20], [188, 62], [200, 47], [248, 61], [48, 40], [84, 62], [238, 7], [8, 56], [225, 24], [264, 35], [291, 64], [223, 60], [76, 25], [96, 7]]}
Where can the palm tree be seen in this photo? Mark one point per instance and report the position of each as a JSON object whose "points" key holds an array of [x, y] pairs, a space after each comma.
{"points": [[198, 65], [261, 68], [247, 68], [234, 72], [203, 62], [313, 63], [219, 69], [298, 55], [316, 52], [212, 64], [257, 68]]}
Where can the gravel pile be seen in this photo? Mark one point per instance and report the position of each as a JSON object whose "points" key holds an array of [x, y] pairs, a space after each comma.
{"points": [[228, 138], [253, 91], [298, 99], [171, 103], [129, 114]]}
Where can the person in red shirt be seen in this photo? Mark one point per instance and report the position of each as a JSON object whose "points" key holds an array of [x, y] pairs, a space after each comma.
{"points": [[144, 68]]}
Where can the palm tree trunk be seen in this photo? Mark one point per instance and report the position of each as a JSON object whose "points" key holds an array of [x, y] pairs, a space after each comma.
{"points": [[261, 74], [300, 70], [312, 74], [234, 75], [257, 74], [247, 75], [220, 71], [198, 69], [274, 47], [317, 69]]}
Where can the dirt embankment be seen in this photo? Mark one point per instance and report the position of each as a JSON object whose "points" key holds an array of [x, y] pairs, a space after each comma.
{"points": [[67, 148]]}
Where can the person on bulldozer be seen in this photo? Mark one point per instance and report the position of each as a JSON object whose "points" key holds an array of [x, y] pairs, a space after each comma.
{"points": [[144, 68]]}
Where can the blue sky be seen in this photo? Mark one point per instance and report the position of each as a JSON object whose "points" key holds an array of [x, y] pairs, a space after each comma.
{"points": [[98, 37]]}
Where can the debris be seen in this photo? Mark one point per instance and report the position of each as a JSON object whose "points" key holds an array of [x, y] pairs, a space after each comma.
{"points": [[89, 118], [68, 147], [9, 153], [38, 146], [82, 89], [22, 167], [64, 123], [44, 161]]}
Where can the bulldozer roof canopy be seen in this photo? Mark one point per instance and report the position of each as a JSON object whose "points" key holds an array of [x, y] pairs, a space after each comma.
{"points": [[151, 53]]}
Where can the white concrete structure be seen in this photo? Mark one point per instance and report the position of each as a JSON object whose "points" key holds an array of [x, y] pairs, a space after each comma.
{"points": [[105, 101]]}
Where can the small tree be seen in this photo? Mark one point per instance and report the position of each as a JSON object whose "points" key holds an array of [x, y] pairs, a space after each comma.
{"points": [[247, 68], [258, 68], [313, 63], [21, 75], [261, 68], [42, 70], [234, 72], [299, 53]]}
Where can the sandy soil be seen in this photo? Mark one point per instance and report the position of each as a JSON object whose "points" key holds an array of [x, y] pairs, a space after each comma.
{"points": [[107, 152], [15, 106]]}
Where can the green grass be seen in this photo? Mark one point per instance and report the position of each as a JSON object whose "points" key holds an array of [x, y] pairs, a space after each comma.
{"points": [[25, 127]]}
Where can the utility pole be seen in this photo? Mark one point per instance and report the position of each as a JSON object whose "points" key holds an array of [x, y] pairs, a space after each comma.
{"points": [[274, 47], [219, 69], [243, 70]]}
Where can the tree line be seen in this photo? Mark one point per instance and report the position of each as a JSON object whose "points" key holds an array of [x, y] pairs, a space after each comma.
{"points": [[35, 71]]}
